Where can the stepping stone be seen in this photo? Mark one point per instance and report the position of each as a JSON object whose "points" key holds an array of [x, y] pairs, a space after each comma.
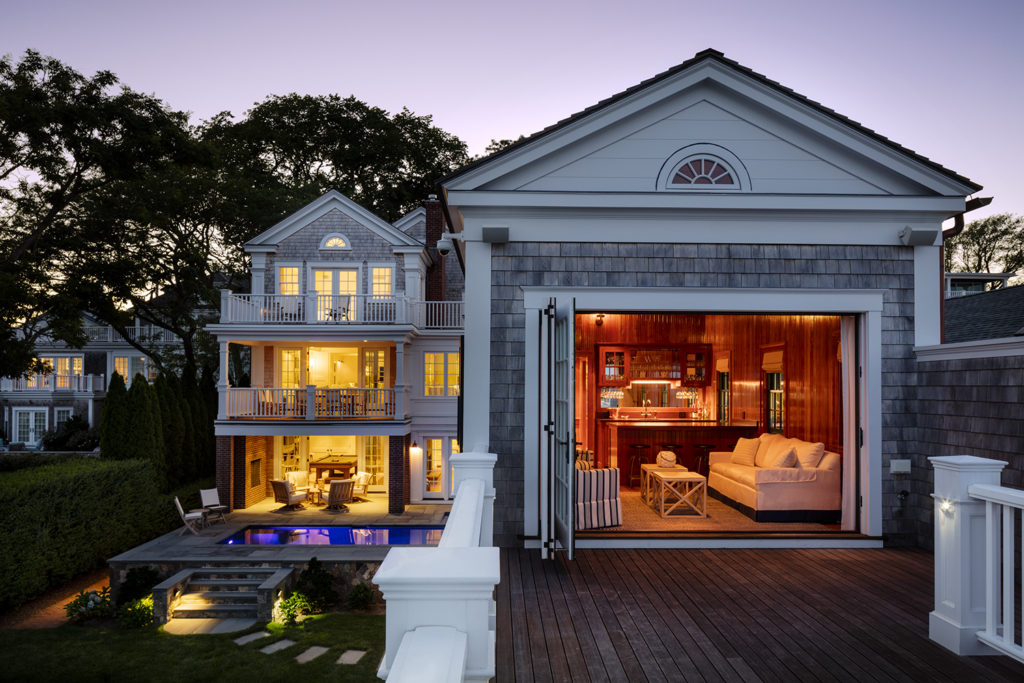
{"points": [[279, 645], [311, 654], [351, 656], [245, 640]]}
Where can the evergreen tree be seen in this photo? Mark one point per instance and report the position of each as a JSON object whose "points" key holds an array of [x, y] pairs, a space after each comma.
{"points": [[114, 437], [173, 428], [188, 456], [208, 389], [143, 426]]}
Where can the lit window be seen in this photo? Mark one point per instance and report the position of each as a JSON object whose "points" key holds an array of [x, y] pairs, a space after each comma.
{"points": [[289, 368], [381, 282], [441, 374], [703, 170], [433, 464], [335, 241], [288, 280]]}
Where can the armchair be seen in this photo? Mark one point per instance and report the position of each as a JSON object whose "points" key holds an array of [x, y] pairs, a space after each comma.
{"points": [[284, 493]]}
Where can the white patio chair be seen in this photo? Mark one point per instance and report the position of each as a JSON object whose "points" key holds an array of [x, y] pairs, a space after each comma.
{"points": [[193, 519], [212, 505], [361, 483]]}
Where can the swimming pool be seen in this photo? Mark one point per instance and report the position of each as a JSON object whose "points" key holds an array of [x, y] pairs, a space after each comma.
{"points": [[336, 535]]}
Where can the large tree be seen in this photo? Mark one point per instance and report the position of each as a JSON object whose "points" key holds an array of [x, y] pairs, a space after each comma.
{"points": [[994, 244]]}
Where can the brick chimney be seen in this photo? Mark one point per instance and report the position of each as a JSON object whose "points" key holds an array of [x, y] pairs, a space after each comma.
{"points": [[435, 226]]}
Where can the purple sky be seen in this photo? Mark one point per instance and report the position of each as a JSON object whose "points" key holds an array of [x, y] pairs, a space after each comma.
{"points": [[944, 78]]}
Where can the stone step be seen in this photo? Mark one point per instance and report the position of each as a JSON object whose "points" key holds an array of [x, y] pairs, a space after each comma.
{"points": [[217, 597], [224, 584], [215, 612], [233, 572]]}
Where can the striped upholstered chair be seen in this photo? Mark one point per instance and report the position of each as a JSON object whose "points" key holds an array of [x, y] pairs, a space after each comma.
{"points": [[597, 498]]}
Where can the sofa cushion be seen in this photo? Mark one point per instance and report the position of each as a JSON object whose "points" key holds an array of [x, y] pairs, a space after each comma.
{"points": [[745, 452], [786, 458], [741, 474], [830, 461], [809, 454]]}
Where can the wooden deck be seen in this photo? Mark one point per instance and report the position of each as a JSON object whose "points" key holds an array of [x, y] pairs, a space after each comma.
{"points": [[733, 615]]}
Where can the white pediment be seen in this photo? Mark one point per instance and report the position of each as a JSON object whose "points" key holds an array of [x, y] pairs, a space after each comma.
{"points": [[784, 144]]}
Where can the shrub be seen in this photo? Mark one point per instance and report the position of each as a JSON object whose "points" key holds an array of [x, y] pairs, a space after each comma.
{"points": [[10, 462], [73, 435], [90, 605], [360, 597], [294, 606], [136, 614], [138, 583], [317, 585]]}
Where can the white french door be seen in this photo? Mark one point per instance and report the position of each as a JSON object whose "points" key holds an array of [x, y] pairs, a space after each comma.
{"points": [[335, 293], [558, 439]]}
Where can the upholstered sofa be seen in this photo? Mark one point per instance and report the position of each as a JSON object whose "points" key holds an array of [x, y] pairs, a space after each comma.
{"points": [[597, 497], [775, 479]]}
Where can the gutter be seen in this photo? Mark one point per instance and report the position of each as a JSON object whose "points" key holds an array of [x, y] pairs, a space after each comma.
{"points": [[958, 227]]}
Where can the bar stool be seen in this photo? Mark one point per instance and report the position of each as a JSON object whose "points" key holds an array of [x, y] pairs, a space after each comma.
{"points": [[674, 447], [702, 450], [635, 458]]}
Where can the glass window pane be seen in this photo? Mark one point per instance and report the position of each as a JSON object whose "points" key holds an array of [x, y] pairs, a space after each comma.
{"points": [[433, 465], [433, 374], [453, 374], [288, 280], [381, 282]]}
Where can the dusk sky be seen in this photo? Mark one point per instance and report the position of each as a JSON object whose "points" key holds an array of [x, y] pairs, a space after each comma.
{"points": [[943, 78]]}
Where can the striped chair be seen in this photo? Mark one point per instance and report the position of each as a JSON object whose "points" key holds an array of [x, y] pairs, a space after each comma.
{"points": [[597, 498]]}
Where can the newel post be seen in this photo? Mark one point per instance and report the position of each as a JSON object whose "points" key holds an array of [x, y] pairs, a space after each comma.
{"points": [[960, 552], [478, 466]]}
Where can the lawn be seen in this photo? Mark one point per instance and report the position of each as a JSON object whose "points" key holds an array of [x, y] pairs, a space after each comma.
{"points": [[90, 653]]}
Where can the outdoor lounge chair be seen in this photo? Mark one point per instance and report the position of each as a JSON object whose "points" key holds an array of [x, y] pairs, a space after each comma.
{"points": [[283, 493], [339, 494], [193, 519], [361, 483], [211, 503]]}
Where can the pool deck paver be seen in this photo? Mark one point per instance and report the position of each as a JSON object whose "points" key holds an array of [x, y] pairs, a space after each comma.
{"points": [[311, 654]]}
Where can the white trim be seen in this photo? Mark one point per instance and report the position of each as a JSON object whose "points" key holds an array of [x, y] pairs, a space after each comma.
{"points": [[927, 295], [741, 178], [311, 428], [370, 265], [984, 348], [476, 365], [335, 235], [16, 410], [410, 219], [278, 265], [532, 484]]}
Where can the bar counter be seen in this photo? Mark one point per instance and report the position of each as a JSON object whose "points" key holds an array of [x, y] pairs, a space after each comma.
{"points": [[616, 436]]}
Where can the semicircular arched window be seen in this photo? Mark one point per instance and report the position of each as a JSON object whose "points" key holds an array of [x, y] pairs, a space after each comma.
{"points": [[335, 241], [703, 170]]}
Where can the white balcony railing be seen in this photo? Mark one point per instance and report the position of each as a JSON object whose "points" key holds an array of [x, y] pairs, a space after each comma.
{"points": [[440, 623], [343, 309], [143, 333], [310, 403], [53, 382], [976, 546]]}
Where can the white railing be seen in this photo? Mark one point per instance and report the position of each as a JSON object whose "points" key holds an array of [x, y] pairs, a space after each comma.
{"points": [[975, 550], [54, 382], [440, 601], [339, 309], [143, 333], [269, 402]]}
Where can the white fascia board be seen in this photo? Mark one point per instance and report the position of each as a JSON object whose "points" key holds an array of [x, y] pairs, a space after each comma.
{"points": [[411, 218], [698, 299], [984, 348], [309, 334], [310, 428], [420, 251]]}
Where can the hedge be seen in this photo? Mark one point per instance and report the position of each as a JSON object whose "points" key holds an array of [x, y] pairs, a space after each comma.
{"points": [[66, 519]]}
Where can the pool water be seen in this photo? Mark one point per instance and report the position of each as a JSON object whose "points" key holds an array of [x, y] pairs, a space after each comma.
{"points": [[336, 535]]}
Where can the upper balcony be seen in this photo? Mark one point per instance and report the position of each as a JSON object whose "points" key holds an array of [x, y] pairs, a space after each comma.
{"points": [[49, 383], [343, 309]]}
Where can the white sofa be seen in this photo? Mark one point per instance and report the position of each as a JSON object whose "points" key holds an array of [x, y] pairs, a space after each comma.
{"points": [[776, 486]]}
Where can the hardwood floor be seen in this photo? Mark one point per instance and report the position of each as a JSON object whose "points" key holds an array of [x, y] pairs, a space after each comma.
{"points": [[725, 615]]}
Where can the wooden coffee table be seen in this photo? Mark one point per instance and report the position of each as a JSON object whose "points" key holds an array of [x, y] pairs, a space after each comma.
{"points": [[679, 491], [646, 483]]}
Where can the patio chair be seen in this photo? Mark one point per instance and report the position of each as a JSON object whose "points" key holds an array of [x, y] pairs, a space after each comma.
{"points": [[283, 493], [212, 505], [339, 494], [299, 480], [361, 483], [193, 519]]}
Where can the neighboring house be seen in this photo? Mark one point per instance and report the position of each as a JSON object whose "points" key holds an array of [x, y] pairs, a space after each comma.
{"points": [[766, 263], [353, 330], [996, 314], [965, 284], [77, 383]]}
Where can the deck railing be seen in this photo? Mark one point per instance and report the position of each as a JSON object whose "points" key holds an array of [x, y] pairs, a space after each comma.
{"points": [[440, 601], [146, 333], [53, 382], [976, 546], [339, 309], [310, 403]]}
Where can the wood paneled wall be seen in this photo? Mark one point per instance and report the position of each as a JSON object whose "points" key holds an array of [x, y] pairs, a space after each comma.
{"points": [[812, 378]]}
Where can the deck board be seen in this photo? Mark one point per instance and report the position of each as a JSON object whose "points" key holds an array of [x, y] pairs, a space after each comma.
{"points": [[732, 615]]}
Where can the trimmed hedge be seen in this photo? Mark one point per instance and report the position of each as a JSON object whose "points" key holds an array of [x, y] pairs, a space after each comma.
{"points": [[19, 460], [65, 519]]}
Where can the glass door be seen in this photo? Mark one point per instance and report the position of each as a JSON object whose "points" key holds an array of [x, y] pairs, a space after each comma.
{"points": [[373, 459], [335, 293], [437, 469]]}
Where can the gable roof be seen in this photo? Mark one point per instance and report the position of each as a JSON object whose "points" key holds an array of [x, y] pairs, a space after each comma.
{"points": [[719, 57], [330, 201], [989, 315]]}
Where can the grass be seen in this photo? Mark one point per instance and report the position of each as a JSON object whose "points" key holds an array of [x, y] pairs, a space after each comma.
{"points": [[91, 653]]}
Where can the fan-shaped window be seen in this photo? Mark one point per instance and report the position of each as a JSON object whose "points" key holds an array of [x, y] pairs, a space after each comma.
{"points": [[335, 241], [703, 170]]}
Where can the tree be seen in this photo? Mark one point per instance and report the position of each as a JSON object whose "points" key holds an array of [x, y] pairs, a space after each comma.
{"points": [[994, 244], [114, 434], [310, 144], [144, 436], [72, 149], [495, 146], [173, 428]]}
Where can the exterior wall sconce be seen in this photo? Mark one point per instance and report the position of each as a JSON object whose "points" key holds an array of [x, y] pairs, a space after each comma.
{"points": [[946, 506], [415, 451], [917, 237]]}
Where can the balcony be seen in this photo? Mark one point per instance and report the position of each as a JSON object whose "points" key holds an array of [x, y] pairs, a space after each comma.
{"points": [[142, 333], [346, 309], [53, 383], [310, 403]]}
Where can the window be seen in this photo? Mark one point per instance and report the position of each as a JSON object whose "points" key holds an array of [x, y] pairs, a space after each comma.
{"points": [[775, 402], [29, 425], [703, 167], [289, 368], [374, 450], [335, 241], [129, 366], [381, 282], [288, 280], [441, 374], [433, 465], [60, 416], [335, 290], [703, 170]]}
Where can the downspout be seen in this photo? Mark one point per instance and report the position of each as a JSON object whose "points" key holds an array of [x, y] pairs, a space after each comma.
{"points": [[958, 227]]}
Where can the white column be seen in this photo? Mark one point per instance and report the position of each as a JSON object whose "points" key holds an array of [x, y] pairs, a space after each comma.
{"points": [[477, 363], [400, 401], [259, 265], [478, 466], [222, 384], [927, 296], [960, 552]]}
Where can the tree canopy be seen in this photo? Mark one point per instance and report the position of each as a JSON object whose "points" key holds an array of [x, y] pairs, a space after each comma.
{"points": [[994, 244]]}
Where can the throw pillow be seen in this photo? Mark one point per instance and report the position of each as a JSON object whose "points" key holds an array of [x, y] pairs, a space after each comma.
{"points": [[785, 459], [745, 452], [809, 454], [769, 446]]}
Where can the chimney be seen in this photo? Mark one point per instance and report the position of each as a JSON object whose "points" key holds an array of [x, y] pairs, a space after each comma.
{"points": [[435, 226]]}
